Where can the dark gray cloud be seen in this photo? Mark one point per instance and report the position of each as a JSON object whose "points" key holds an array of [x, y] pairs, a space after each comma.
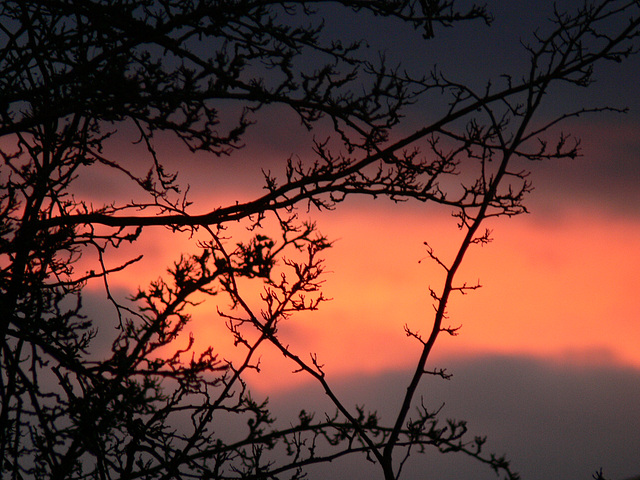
{"points": [[604, 178], [553, 421], [607, 175]]}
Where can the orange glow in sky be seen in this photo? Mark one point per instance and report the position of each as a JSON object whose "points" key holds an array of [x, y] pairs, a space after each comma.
{"points": [[562, 289]]}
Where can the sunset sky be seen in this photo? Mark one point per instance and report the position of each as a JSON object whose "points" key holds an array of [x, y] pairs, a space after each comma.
{"points": [[559, 302]]}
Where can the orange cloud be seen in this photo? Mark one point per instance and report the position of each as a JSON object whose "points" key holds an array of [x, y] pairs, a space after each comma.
{"points": [[565, 290]]}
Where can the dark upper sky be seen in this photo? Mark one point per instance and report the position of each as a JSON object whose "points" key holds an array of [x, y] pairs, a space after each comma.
{"points": [[606, 176], [608, 172]]}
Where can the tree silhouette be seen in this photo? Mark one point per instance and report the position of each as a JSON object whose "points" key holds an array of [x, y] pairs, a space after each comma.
{"points": [[76, 73]]}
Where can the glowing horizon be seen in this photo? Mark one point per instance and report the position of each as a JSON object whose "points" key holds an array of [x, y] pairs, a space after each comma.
{"points": [[547, 291]]}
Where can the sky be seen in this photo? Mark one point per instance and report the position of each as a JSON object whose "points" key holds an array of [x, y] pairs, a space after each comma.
{"points": [[546, 363]]}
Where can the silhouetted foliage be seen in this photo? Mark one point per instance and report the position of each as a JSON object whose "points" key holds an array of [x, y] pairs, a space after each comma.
{"points": [[75, 73]]}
